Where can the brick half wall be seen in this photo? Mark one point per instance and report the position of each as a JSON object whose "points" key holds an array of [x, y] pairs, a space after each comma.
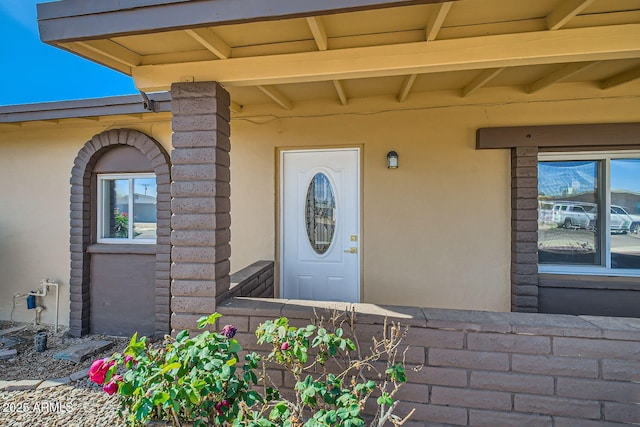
{"points": [[489, 369], [255, 280]]}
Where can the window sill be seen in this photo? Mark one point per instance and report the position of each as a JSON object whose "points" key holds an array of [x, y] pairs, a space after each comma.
{"points": [[122, 248], [587, 271]]}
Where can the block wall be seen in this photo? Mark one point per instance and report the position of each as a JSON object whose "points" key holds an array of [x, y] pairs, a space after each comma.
{"points": [[255, 280], [490, 369]]}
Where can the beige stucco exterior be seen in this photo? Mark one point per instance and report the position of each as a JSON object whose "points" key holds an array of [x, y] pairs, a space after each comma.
{"points": [[35, 167], [435, 232]]}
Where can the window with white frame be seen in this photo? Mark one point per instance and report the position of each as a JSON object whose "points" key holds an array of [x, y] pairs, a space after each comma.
{"points": [[589, 213], [127, 208]]}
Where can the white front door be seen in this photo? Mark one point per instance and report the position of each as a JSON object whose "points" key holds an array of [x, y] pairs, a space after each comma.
{"points": [[320, 224]]}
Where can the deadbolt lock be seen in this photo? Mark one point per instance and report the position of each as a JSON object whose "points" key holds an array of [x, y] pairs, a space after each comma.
{"points": [[354, 238]]}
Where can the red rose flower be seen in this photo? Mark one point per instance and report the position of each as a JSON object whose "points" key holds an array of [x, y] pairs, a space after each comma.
{"points": [[110, 388], [98, 370]]}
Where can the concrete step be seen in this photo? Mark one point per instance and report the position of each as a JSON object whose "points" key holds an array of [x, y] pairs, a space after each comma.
{"points": [[79, 352], [8, 354]]}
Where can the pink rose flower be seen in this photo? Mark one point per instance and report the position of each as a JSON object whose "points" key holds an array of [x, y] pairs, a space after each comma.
{"points": [[98, 370], [284, 346], [220, 405], [110, 388], [129, 361], [229, 331]]}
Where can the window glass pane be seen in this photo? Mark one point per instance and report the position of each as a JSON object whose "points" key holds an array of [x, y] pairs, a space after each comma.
{"points": [[144, 208], [568, 213], [625, 213], [320, 211], [115, 205]]}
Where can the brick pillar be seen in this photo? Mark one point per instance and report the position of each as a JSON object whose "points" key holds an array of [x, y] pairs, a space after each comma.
{"points": [[524, 229], [200, 202]]}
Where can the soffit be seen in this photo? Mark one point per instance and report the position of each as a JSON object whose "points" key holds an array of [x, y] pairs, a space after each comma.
{"points": [[369, 52]]}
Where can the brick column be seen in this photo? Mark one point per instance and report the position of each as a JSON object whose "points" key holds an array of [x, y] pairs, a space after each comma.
{"points": [[524, 229], [200, 202]]}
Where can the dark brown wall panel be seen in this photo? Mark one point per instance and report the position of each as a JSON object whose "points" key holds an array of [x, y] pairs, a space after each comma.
{"points": [[122, 291]]}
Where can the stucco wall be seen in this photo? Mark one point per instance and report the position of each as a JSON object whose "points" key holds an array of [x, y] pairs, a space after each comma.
{"points": [[436, 231], [35, 168]]}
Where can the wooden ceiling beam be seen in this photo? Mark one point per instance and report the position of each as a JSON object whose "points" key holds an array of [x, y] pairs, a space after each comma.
{"points": [[87, 119], [110, 50], [480, 80], [319, 32], [621, 78], [566, 11], [137, 116], [235, 107], [277, 96], [507, 50], [342, 94], [558, 75], [436, 19], [406, 87], [211, 41], [41, 122]]}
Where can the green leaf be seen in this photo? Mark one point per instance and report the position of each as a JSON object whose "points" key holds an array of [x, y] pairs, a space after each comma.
{"points": [[234, 346], [160, 397], [280, 411], [182, 335], [145, 408], [397, 373], [170, 366], [134, 339], [194, 396], [252, 397], [282, 332], [385, 399], [316, 341], [300, 353]]}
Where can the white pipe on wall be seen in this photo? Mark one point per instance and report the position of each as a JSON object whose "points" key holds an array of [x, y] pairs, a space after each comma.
{"points": [[45, 286]]}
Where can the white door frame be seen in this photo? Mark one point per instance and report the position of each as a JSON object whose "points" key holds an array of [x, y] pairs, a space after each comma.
{"points": [[280, 205]]}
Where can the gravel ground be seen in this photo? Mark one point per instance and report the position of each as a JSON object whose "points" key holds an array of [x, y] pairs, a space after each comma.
{"points": [[79, 403], [33, 365]]}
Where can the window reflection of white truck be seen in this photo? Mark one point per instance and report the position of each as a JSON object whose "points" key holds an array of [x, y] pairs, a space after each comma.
{"points": [[572, 215], [635, 219]]}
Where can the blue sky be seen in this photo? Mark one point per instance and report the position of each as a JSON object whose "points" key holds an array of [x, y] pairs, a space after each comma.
{"points": [[556, 177], [33, 71]]}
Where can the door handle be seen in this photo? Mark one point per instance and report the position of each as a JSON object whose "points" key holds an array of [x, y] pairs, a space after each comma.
{"points": [[352, 250]]}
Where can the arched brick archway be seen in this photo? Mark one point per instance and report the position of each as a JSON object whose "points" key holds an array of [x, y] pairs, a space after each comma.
{"points": [[81, 235]]}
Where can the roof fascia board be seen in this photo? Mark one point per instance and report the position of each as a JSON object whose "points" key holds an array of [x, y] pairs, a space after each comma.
{"points": [[65, 8], [71, 20], [579, 135], [111, 106]]}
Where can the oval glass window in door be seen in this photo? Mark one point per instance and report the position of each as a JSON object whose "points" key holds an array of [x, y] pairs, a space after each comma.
{"points": [[320, 213]]}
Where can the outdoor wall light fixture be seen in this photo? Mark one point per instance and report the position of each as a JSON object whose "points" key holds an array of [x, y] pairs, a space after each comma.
{"points": [[392, 160]]}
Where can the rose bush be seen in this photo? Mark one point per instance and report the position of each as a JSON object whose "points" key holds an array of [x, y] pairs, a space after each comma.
{"points": [[200, 379], [187, 379]]}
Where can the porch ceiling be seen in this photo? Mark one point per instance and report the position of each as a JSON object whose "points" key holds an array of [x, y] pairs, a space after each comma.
{"points": [[295, 52]]}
